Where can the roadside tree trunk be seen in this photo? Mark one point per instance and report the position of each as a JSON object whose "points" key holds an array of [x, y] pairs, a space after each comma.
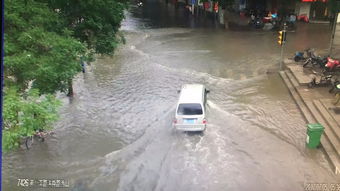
{"points": [[70, 88]]}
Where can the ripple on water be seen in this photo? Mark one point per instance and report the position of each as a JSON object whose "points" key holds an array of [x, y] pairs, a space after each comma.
{"points": [[116, 132]]}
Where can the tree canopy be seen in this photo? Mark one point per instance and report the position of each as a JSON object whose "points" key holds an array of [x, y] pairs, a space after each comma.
{"points": [[94, 22], [38, 49], [45, 41]]}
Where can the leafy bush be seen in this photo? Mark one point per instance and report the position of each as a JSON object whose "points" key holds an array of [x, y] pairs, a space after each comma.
{"points": [[23, 115]]}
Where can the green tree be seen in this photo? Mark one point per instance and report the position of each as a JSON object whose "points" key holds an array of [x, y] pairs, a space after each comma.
{"points": [[22, 117], [38, 49], [94, 22]]}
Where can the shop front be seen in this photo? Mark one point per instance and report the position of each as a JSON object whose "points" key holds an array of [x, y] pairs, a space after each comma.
{"points": [[313, 9], [319, 11]]}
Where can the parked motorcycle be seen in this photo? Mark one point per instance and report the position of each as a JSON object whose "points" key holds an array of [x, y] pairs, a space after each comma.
{"points": [[303, 17], [315, 60], [335, 87], [258, 23], [332, 64], [300, 56], [323, 80]]}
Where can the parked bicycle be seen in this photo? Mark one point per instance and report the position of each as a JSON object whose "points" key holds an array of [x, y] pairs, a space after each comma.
{"points": [[39, 136]]}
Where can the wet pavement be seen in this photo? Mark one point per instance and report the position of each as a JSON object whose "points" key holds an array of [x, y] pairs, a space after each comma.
{"points": [[116, 133]]}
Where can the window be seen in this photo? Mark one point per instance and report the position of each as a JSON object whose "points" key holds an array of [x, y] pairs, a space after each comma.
{"points": [[189, 109]]}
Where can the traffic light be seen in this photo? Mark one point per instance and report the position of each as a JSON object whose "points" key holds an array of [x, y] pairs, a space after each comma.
{"points": [[280, 41], [282, 37]]}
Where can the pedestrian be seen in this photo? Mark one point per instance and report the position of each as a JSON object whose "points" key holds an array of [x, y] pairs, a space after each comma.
{"points": [[252, 17], [270, 14], [292, 18]]}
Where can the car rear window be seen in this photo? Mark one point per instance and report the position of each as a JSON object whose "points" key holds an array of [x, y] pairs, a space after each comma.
{"points": [[189, 109]]}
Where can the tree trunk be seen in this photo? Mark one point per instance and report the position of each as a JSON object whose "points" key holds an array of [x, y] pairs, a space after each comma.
{"points": [[70, 88]]}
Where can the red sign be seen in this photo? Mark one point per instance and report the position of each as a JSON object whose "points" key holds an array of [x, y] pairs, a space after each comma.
{"points": [[216, 7], [313, 1], [206, 5]]}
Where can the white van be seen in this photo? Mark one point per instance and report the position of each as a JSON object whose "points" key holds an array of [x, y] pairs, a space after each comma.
{"points": [[190, 110]]}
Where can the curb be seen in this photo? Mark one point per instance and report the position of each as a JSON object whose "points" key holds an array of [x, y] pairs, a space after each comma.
{"points": [[311, 112]]}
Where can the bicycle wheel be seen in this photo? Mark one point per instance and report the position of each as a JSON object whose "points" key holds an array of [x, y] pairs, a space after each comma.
{"points": [[29, 142]]}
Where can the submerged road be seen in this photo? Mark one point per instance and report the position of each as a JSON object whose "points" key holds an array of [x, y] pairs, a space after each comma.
{"points": [[116, 133]]}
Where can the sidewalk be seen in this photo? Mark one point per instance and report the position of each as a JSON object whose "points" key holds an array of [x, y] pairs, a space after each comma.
{"points": [[316, 106]]}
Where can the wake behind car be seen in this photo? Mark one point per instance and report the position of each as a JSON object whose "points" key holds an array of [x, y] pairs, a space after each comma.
{"points": [[190, 110]]}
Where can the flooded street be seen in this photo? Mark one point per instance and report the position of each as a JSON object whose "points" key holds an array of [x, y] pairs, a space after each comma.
{"points": [[116, 133]]}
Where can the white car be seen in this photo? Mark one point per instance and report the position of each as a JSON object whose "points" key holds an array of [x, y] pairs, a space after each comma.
{"points": [[190, 110]]}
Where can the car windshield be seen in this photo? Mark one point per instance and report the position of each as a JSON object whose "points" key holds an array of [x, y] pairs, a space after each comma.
{"points": [[189, 109]]}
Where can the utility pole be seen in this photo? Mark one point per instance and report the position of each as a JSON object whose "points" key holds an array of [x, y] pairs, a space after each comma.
{"points": [[333, 33], [282, 42]]}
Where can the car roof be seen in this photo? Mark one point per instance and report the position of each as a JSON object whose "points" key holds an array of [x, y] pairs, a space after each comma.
{"points": [[191, 93]]}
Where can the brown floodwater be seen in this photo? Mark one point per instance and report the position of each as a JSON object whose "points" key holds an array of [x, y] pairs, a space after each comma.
{"points": [[116, 133]]}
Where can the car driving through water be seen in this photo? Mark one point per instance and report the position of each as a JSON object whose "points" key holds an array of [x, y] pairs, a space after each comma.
{"points": [[190, 110]]}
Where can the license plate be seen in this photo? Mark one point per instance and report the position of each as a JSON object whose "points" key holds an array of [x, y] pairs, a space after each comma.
{"points": [[190, 121]]}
